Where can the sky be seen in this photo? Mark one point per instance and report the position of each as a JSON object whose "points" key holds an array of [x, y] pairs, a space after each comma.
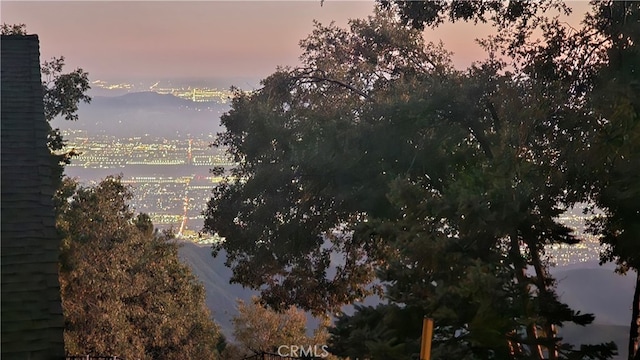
{"points": [[172, 39]]}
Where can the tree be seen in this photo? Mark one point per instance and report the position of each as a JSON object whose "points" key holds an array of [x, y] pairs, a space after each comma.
{"points": [[61, 95], [612, 161], [258, 329], [466, 236], [308, 172], [597, 66], [124, 290], [384, 332], [13, 29], [376, 157]]}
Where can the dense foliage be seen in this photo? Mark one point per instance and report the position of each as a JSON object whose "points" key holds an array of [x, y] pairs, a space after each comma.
{"points": [[385, 332], [124, 290], [377, 159], [612, 163], [258, 329], [62, 93]]}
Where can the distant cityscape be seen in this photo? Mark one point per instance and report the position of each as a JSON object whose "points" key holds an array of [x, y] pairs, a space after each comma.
{"points": [[187, 92], [587, 250], [171, 179]]}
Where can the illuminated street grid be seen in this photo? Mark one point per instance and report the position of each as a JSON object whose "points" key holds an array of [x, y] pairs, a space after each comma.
{"points": [[170, 179], [106, 152]]}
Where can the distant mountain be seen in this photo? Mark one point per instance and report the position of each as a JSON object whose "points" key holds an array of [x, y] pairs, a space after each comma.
{"points": [[597, 334], [143, 99], [595, 289], [137, 114], [599, 291]]}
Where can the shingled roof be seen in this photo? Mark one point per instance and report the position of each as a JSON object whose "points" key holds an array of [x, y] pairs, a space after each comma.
{"points": [[32, 322]]}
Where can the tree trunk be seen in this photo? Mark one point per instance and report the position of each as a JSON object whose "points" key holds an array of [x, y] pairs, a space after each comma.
{"points": [[541, 283], [635, 322], [519, 264]]}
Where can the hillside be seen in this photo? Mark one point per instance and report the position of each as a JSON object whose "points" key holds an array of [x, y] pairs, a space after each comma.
{"points": [[599, 291], [221, 296], [598, 333], [136, 114], [585, 287]]}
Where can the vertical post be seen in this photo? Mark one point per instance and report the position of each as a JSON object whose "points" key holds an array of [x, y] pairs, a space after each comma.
{"points": [[425, 343]]}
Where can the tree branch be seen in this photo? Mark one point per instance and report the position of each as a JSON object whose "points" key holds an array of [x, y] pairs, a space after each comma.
{"points": [[315, 78], [494, 114]]}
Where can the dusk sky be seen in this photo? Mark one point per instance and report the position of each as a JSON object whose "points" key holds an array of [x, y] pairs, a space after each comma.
{"points": [[158, 39]]}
